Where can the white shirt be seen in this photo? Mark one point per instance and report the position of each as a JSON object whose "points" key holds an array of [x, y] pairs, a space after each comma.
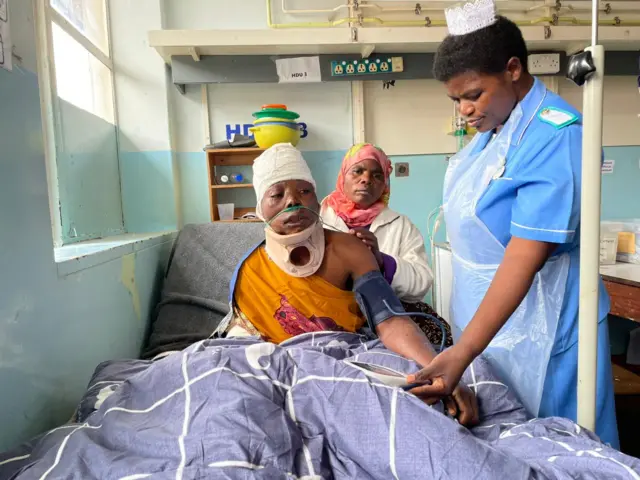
{"points": [[399, 238]]}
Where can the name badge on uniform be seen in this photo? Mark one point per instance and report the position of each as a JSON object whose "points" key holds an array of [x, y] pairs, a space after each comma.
{"points": [[556, 117]]}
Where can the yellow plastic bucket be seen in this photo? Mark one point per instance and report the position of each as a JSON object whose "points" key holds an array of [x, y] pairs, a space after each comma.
{"points": [[267, 135]]}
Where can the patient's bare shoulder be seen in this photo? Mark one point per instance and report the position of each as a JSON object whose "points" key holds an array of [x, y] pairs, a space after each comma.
{"points": [[343, 242], [354, 254]]}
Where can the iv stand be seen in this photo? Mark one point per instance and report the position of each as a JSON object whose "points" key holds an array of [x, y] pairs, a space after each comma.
{"points": [[593, 76]]}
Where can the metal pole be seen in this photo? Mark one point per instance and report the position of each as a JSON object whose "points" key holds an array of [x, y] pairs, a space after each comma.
{"points": [[594, 23], [590, 233]]}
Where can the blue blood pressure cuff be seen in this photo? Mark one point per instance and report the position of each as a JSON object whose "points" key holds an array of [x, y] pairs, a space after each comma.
{"points": [[372, 291]]}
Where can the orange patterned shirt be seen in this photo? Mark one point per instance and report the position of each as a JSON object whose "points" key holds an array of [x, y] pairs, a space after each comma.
{"points": [[279, 306]]}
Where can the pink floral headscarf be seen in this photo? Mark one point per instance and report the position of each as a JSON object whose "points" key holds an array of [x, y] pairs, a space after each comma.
{"points": [[346, 209]]}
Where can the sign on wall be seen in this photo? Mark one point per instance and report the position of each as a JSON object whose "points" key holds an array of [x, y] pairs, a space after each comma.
{"points": [[238, 129], [298, 70], [607, 166]]}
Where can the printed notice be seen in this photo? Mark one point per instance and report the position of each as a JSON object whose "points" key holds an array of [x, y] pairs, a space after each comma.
{"points": [[298, 70], [5, 37], [607, 166]]}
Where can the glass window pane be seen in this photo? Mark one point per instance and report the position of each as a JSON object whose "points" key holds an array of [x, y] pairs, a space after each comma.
{"points": [[88, 16], [81, 79]]}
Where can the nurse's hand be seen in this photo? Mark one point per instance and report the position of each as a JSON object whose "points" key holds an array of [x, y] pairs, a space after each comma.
{"points": [[440, 378], [370, 240]]}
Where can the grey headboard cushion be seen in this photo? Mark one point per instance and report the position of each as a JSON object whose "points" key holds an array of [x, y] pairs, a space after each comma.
{"points": [[196, 288]]}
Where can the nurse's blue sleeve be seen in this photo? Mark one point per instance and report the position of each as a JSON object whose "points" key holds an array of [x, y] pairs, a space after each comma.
{"points": [[547, 204]]}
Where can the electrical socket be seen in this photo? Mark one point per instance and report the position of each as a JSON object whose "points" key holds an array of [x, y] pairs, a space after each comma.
{"points": [[402, 169], [544, 63]]}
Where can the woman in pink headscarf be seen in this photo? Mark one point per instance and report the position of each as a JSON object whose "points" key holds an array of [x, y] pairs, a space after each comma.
{"points": [[359, 205]]}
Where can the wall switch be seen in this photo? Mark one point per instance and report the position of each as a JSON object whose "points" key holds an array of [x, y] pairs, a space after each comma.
{"points": [[544, 63], [402, 169], [397, 64]]}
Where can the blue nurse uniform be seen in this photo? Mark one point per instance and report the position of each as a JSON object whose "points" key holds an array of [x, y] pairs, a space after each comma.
{"points": [[538, 198]]}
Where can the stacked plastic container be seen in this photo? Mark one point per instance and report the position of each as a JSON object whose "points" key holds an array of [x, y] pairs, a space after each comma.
{"points": [[275, 124]]}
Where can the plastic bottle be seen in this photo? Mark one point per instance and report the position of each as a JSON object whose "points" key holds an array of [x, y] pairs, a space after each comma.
{"points": [[236, 178]]}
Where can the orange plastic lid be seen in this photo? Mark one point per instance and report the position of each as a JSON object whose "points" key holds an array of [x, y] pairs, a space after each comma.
{"points": [[274, 106]]}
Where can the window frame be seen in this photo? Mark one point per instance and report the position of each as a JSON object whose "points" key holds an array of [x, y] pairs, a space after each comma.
{"points": [[46, 15]]}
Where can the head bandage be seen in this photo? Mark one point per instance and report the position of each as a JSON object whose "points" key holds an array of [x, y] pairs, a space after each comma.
{"points": [[470, 17], [277, 164]]}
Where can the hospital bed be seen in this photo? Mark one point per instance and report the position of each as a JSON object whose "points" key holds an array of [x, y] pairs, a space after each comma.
{"points": [[242, 408]]}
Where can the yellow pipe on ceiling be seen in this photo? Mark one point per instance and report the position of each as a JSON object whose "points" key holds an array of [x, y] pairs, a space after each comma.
{"points": [[436, 23]]}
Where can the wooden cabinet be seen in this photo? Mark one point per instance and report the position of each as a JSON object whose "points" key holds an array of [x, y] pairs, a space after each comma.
{"points": [[233, 157], [622, 282], [625, 299]]}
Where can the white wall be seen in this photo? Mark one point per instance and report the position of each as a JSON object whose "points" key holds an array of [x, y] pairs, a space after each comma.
{"points": [[243, 14], [218, 14], [620, 110], [414, 117], [141, 90]]}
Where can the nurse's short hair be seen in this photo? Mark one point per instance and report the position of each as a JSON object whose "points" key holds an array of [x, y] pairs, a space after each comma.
{"points": [[486, 51]]}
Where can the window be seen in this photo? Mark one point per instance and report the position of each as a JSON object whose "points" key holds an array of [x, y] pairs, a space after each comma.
{"points": [[80, 119]]}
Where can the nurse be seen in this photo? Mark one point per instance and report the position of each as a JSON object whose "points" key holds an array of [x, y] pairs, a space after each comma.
{"points": [[512, 210]]}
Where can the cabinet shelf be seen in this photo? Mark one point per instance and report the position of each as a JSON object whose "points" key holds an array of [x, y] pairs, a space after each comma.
{"points": [[233, 185], [231, 157]]}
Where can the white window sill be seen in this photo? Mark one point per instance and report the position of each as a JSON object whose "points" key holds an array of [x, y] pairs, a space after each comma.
{"points": [[79, 256]]}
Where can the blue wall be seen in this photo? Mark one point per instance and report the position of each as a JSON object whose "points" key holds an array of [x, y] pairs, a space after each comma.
{"points": [[88, 175], [620, 197], [54, 328], [148, 198]]}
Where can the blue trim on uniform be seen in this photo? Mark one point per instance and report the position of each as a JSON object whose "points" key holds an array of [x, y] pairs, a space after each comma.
{"points": [[542, 234], [234, 277]]}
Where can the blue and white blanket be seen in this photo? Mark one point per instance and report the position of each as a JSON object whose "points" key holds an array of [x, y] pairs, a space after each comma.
{"points": [[242, 408]]}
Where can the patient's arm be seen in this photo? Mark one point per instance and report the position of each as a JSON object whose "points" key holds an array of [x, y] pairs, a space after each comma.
{"points": [[403, 336], [398, 333]]}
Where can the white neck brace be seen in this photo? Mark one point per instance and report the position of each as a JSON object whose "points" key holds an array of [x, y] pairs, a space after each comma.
{"points": [[279, 248]]}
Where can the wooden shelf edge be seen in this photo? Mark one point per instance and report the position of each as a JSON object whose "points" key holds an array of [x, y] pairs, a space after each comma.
{"points": [[625, 382], [233, 185], [232, 151]]}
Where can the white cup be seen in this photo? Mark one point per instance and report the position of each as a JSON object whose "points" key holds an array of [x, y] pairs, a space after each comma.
{"points": [[225, 210]]}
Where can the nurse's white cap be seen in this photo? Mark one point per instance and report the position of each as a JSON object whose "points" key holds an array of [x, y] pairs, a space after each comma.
{"points": [[470, 17]]}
